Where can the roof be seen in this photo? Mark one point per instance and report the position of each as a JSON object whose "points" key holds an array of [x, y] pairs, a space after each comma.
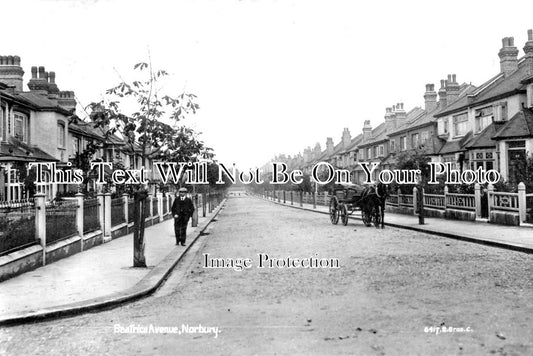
{"points": [[354, 143], [498, 86], [484, 138], [520, 125], [42, 102], [15, 150], [456, 146]]}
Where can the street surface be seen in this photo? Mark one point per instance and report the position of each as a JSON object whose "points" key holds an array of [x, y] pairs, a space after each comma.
{"points": [[397, 292]]}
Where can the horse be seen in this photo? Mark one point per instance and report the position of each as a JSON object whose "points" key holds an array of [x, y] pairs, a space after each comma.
{"points": [[373, 200]]}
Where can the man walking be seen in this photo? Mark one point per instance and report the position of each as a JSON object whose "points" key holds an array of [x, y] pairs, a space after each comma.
{"points": [[182, 210]]}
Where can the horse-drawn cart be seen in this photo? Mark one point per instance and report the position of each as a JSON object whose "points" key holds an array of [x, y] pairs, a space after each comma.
{"points": [[349, 198]]}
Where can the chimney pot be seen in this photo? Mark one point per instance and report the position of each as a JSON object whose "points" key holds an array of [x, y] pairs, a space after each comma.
{"points": [[453, 78], [41, 72], [530, 35], [34, 72], [52, 76]]}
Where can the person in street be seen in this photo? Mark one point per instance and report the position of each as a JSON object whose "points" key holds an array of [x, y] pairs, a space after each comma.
{"points": [[182, 210]]}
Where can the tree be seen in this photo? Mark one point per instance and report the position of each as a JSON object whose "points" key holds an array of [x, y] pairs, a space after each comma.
{"points": [[154, 126]]}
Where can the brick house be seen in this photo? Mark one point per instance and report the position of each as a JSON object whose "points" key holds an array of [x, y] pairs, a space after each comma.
{"points": [[491, 126]]}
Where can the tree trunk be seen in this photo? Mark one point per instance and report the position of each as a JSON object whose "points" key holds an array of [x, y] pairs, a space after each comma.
{"points": [[139, 259]]}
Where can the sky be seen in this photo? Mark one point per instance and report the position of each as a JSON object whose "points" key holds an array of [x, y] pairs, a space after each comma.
{"points": [[271, 77]]}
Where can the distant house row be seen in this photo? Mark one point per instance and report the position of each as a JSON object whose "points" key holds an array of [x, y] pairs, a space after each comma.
{"points": [[489, 126], [40, 124]]}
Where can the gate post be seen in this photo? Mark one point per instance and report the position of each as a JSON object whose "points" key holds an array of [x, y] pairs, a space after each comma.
{"points": [[107, 218], [284, 200], [301, 198], [292, 200], [477, 200], [40, 221], [522, 202], [79, 217], [490, 190], [415, 201]]}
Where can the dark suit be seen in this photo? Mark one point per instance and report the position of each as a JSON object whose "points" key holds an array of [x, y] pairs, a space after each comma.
{"points": [[183, 209]]}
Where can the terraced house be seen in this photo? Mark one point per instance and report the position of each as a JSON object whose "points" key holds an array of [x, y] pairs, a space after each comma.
{"points": [[40, 124], [492, 126]]}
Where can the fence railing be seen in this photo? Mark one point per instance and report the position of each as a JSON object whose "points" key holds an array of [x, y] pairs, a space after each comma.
{"points": [[503, 201], [17, 227], [461, 201], [91, 220], [477, 206], [117, 211], [61, 221]]}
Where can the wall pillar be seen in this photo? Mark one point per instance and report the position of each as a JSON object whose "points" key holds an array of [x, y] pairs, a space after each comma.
{"points": [[477, 200], [79, 217], [522, 202], [40, 221]]}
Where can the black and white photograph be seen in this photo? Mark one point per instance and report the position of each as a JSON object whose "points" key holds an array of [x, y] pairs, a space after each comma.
{"points": [[266, 177]]}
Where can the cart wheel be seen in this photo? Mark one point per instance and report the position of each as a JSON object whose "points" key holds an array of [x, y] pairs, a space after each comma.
{"points": [[334, 210], [344, 214], [367, 217], [376, 216]]}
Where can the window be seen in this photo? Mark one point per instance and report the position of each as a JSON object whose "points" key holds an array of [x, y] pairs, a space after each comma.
{"points": [[369, 153], [381, 150], [483, 159], [392, 146], [3, 122], [443, 126], [483, 118], [60, 135], [403, 143], [460, 124], [415, 140], [20, 127], [424, 137], [76, 145]]}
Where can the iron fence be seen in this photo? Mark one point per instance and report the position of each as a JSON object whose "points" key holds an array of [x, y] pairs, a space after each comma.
{"points": [[17, 227], [131, 207], [117, 211], [60, 221], [155, 203], [90, 215]]}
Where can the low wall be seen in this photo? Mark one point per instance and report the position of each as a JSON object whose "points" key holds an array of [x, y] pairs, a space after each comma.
{"points": [[21, 261], [62, 249], [504, 218], [119, 230], [399, 209], [455, 214], [92, 239]]}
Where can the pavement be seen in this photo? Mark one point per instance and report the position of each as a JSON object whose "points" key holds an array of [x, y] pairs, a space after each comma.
{"points": [[517, 238], [100, 277]]}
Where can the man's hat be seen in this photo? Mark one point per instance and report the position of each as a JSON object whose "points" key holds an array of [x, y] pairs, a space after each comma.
{"points": [[182, 190]]}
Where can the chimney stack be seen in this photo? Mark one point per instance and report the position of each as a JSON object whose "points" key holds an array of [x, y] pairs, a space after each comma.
{"points": [[39, 81], [508, 56], [452, 89], [442, 94], [330, 147], [528, 50], [367, 130], [67, 100], [430, 98], [390, 119], [11, 72], [346, 138], [53, 90], [400, 114]]}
